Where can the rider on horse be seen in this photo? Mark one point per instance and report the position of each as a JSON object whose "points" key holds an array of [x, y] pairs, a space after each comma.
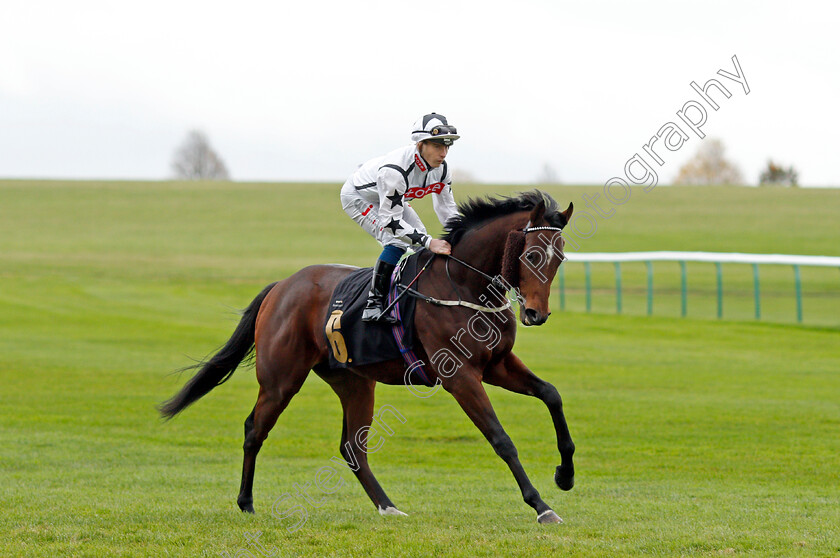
{"points": [[377, 197]]}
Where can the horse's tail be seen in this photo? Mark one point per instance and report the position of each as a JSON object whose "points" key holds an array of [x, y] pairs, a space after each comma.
{"points": [[220, 367]]}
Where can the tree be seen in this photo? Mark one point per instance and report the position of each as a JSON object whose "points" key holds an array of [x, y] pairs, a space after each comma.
{"points": [[709, 167], [777, 175], [548, 175], [196, 160], [461, 176]]}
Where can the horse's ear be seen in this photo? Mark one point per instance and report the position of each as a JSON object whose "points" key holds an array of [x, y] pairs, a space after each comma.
{"points": [[567, 215], [538, 212]]}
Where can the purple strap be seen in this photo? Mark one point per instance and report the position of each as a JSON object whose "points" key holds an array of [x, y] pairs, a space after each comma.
{"points": [[411, 360]]}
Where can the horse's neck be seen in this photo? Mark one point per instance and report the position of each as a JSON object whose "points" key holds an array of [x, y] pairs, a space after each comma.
{"points": [[484, 249]]}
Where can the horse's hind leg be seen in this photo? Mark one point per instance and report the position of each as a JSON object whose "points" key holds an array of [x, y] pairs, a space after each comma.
{"points": [[277, 387], [357, 397]]}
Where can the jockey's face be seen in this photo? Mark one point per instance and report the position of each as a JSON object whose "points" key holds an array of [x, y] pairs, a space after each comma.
{"points": [[433, 153]]}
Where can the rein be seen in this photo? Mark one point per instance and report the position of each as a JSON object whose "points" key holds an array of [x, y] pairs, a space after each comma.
{"points": [[494, 281], [437, 302], [459, 302]]}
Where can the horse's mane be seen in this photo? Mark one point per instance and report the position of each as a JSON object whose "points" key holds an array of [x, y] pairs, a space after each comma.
{"points": [[476, 211]]}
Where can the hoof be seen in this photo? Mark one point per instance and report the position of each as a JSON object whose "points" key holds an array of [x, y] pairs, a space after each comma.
{"points": [[549, 516], [246, 507], [390, 510], [564, 480]]}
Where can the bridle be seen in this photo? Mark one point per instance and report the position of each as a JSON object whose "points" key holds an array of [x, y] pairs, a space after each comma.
{"points": [[528, 229], [494, 281]]}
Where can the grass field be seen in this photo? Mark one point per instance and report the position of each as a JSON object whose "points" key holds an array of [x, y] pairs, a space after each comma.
{"points": [[695, 437]]}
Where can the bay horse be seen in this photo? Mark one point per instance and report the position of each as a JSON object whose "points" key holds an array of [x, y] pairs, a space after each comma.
{"points": [[283, 330]]}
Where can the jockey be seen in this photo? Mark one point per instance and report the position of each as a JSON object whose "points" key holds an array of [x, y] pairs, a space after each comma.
{"points": [[377, 197]]}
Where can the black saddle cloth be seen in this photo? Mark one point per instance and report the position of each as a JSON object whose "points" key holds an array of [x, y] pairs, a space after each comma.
{"points": [[356, 343]]}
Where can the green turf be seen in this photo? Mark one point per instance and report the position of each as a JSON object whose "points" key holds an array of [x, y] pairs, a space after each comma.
{"points": [[695, 437]]}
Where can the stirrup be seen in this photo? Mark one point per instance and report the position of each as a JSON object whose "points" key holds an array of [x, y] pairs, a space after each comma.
{"points": [[376, 314]]}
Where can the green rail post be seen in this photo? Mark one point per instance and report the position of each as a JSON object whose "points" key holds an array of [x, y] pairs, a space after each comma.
{"points": [[798, 293], [649, 266], [683, 290], [719, 290], [562, 281], [757, 289], [618, 287], [587, 268]]}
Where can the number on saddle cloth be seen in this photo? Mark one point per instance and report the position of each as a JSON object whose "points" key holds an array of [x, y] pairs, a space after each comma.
{"points": [[356, 343]]}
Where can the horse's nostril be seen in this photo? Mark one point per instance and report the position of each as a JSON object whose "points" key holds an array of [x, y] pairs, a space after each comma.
{"points": [[533, 317]]}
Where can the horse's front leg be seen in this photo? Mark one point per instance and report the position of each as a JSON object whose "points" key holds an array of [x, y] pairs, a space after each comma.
{"points": [[512, 374], [470, 394]]}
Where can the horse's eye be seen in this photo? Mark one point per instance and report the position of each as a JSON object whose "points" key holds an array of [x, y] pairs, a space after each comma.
{"points": [[532, 257]]}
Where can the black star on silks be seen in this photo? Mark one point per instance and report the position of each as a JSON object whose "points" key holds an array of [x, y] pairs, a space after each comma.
{"points": [[396, 199], [416, 237], [394, 225]]}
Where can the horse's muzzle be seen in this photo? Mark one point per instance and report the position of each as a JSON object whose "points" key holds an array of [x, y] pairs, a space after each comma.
{"points": [[534, 318]]}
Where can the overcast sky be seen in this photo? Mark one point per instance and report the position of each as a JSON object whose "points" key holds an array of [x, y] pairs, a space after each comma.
{"points": [[307, 90]]}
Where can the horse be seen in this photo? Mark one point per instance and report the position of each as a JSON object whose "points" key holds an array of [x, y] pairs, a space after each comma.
{"points": [[513, 241]]}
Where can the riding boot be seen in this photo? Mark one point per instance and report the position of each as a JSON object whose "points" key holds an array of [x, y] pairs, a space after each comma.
{"points": [[378, 294]]}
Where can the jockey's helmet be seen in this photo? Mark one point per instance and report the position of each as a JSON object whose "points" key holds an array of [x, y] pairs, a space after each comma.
{"points": [[434, 127]]}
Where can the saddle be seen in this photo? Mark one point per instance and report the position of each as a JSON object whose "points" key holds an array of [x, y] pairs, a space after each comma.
{"points": [[356, 343]]}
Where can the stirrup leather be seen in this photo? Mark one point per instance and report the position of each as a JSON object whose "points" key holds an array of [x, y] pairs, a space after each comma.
{"points": [[378, 294]]}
